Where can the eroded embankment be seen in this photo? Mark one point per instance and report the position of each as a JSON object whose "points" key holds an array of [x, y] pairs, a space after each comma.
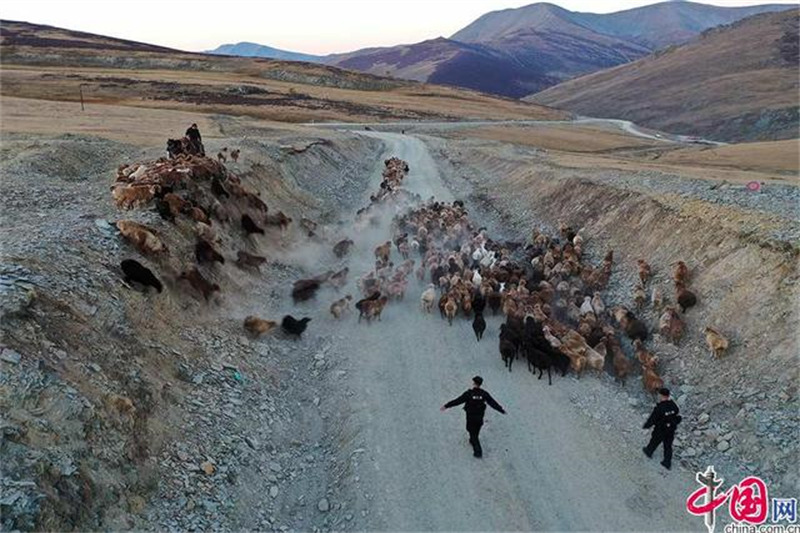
{"points": [[742, 412], [100, 381]]}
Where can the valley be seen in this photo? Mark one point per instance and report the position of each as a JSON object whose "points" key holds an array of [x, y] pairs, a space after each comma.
{"points": [[128, 408]]}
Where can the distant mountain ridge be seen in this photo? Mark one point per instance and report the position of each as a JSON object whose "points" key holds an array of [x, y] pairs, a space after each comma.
{"points": [[520, 51], [247, 49]]}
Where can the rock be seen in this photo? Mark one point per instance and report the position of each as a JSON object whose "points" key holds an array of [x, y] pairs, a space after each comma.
{"points": [[208, 467], [633, 402], [323, 505], [703, 418], [689, 452], [273, 491], [723, 446], [252, 442], [275, 467], [95, 367], [10, 356]]}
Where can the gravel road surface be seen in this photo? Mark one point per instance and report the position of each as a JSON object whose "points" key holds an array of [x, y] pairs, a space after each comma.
{"points": [[548, 464]]}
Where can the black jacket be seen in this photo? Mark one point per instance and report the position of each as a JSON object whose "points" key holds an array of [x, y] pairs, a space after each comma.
{"points": [[664, 417], [475, 401]]}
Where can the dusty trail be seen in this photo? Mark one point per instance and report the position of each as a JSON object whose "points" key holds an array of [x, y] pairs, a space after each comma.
{"points": [[547, 466]]}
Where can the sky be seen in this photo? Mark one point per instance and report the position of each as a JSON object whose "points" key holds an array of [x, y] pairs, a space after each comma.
{"points": [[310, 26]]}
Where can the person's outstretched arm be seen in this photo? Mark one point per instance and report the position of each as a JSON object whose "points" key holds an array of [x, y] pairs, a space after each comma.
{"points": [[493, 404], [651, 419], [458, 401]]}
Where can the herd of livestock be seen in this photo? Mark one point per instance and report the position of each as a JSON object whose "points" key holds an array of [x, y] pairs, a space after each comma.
{"points": [[549, 293]]}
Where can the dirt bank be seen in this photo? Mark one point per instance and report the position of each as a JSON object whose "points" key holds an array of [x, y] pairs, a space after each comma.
{"points": [[102, 385]]}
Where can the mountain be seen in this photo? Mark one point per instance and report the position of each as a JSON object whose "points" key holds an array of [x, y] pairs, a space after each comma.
{"points": [[652, 26], [246, 49], [540, 45], [446, 62], [733, 83]]}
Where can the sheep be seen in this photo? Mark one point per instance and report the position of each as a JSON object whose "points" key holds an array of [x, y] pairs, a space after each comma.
{"points": [[684, 296], [622, 365], [596, 357], [681, 273], [363, 304], [586, 306], [647, 359], [574, 346], [245, 259], [670, 325], [598, 305], [143, 237], [657, 299], [340, 306], [204, 252], [507, 352], [199, 283], [279, 219], [221, 157], [427, 299], [292, 326], [132, 196], [235, 155], [716, 342], [136, 272], [198, 215], [250, 226], [450, 308], [639, 296], [374, 308], [479, 326], [383, 252], [258, 326], [342, 247], [633, 327], [305, 289], [644, 271], [651, 380]]}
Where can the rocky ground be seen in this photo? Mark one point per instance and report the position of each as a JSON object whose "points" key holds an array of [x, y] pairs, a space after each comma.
{"points": [[340, 430]]}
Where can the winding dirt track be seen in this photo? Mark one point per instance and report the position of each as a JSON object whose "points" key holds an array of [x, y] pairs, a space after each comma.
{"points": [[547, 465]]}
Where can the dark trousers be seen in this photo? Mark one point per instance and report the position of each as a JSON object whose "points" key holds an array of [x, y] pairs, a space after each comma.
{"points": [[658, 437], [474, 424]]}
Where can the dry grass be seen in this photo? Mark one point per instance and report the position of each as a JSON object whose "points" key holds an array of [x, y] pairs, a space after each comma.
{"points": [[568, 138], [120, 123], [582, 146], [775, 156]]}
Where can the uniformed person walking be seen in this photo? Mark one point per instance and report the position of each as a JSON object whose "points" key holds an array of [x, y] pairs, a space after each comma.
{"points": [[475, 400], [664, 420]]}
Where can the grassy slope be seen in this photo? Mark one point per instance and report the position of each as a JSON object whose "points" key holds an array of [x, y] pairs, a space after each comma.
{"points": [[735, 83], [49, 63]]}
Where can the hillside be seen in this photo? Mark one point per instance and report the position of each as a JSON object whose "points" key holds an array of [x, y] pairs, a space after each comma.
{"points": [[735, 83], [246, 49], [540, 45], [447, 62], [113, 71]]}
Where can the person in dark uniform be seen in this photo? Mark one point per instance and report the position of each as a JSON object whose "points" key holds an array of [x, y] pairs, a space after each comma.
{"points": [[193, 133], [664, 420], [475, 400]]}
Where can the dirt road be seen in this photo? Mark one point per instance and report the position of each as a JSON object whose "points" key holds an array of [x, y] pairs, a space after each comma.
{"points": [[546, 466]]}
